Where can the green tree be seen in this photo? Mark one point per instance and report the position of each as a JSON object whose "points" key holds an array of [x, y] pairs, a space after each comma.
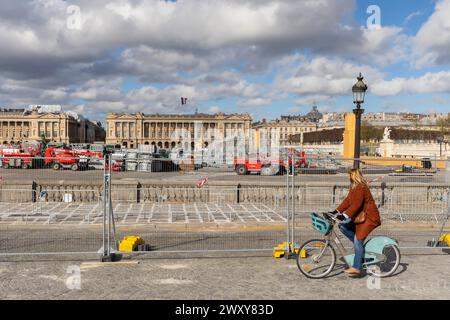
{"points": [[44, 141], [444, 124], [369, 132]]}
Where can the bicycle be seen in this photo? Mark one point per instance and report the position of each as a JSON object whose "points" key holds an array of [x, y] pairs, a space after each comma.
{"points": [[316, 258]]}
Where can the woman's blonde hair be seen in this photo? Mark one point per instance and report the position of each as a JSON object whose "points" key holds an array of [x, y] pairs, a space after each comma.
{"points": [[357, 178]]}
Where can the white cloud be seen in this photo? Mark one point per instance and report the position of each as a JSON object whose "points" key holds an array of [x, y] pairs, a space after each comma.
{"points": [[214, 109], [312, 100], [431, 45], [384, 46], [431, 82], [412, 16], [325, 77], [101, 89], [254, 102], [202, 50]]}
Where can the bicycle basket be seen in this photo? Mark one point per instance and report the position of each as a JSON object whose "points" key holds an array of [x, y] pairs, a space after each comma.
{"points": [[320, 224]]}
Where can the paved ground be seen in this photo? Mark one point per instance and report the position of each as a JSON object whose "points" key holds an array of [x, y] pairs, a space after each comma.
{"points": [[27, 239], [419, 277], [79, 213], [126, 213]]}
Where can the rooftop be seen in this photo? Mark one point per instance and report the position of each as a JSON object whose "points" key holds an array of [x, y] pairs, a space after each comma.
{"points": [[192, 115]]}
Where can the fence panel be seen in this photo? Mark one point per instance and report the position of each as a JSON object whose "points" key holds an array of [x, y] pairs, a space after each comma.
{"points": [[50, 205], [414, 203], [188, 208]]}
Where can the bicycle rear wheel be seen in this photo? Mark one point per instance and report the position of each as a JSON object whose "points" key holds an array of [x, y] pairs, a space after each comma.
{"points": [[387, 267], [316, 259]]}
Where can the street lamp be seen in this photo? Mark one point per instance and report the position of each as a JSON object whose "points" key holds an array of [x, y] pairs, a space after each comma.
{"points": [[359, 91]]}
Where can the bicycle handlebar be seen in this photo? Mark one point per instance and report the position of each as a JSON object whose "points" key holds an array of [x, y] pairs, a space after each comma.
{"points": [[330, 216]]}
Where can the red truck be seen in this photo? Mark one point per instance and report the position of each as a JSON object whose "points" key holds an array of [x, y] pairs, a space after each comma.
{"points": [[116, 165], [270, 166], [64, 158], [19, 156]]}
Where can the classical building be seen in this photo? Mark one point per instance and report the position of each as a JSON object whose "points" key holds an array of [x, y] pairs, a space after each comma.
{"points": [[36, 122], [170, 130], [284, 128], [386, 119]]}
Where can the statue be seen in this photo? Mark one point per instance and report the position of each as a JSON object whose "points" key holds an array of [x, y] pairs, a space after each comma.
{"points": [[386, 145], [387, 134]]}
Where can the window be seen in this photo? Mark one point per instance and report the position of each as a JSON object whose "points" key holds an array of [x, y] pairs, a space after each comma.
{"points": [[117, 130], [146, 130], [131, 131]]}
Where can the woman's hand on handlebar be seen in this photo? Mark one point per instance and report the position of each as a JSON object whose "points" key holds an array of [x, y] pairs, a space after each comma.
{"points": [[337, 215]]}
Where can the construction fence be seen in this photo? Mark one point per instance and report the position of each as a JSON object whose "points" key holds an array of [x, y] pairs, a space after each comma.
{"points": [[59, 210]]}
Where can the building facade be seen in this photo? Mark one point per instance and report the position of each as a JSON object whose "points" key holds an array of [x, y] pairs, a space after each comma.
{"points": [[283, 130], [286, 127], [173, 130], [31, 125], [386, 119]]}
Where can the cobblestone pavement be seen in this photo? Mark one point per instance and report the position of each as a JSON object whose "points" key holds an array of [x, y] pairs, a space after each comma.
{"points": [[418, 277]]}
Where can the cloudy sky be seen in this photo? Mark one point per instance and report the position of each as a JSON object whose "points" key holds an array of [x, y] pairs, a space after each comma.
{"points": [[265, 57]]}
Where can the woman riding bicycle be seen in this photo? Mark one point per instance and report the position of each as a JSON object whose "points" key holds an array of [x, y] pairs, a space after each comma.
{"points": [[359, 215]]}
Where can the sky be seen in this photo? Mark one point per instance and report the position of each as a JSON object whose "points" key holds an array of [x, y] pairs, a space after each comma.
{"points": [[264, 57]]}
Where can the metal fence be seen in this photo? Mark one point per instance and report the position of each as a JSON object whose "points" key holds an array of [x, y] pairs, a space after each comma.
{"points": [[49, 210], [413, 199], [50, 205]]}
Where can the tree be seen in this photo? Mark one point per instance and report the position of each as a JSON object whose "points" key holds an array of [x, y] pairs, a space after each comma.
{"points": [[444, 124], [369, 132], [44, 141]]}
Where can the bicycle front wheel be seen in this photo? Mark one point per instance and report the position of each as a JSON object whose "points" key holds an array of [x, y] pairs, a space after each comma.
{"points": [[316, 259]]}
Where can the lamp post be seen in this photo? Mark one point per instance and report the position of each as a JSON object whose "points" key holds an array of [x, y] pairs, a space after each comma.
{"points": [[359, 91]]}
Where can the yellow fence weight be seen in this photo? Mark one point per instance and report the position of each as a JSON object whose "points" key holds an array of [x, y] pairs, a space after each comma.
{"points": [[129, 243], [446, 238], [281, 249]]}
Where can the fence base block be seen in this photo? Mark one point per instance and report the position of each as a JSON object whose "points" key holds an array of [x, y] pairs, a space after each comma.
{"points": [[289, 252], [113, 257]]}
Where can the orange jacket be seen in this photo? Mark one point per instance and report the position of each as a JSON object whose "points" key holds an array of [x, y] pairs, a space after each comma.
{"points": [[360, 199]]}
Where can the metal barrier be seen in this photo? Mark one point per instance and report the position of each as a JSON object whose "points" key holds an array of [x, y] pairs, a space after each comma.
{"points": [[413, 202], [49, 211], [50, 206]]}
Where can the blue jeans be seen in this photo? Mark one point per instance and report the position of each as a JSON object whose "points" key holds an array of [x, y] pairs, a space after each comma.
{"points": [[348, 228]]}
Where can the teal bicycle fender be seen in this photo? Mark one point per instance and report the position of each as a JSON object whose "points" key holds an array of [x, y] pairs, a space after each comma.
{"points": [[377, 244], [373, 247], [372, 258]]}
